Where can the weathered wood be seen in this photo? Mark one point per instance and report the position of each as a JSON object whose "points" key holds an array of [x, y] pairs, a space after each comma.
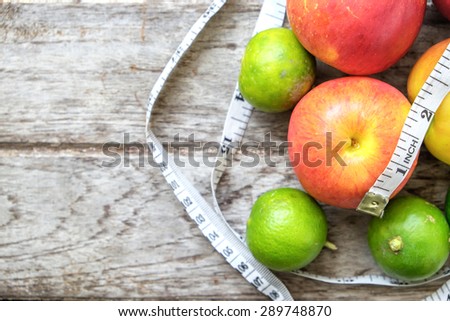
{"points": [[81, 74], [71, 228], [73, 77]]}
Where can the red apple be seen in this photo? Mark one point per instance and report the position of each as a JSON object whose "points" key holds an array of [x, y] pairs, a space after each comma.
{"points": [[342, 135], [443, 7], [358, 37]]}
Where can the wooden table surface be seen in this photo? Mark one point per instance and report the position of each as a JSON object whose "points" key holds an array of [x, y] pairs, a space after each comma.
{"points": [[76, 76]]}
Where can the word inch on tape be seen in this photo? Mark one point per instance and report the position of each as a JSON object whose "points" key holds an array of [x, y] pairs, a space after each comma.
{"points": [[419, 118], [211, 222]]}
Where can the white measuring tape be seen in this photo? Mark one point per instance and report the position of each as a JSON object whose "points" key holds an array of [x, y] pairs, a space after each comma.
{"points": [[212, 224], [419, 118], [211, 221]]}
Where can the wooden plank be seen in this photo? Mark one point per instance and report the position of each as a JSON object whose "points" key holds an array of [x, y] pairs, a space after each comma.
{"points": [[85, 71], [82, 74], [71, 228], [73, 77]]}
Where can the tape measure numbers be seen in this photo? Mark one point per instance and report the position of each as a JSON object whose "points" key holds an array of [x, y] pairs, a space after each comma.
{"points": [[419, 118], [213, 224]]}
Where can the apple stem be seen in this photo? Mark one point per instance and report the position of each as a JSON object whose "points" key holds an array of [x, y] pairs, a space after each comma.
{"points": [[330, 246]]}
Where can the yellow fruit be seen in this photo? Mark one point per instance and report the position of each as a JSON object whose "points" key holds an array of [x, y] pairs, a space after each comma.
{"points": [[411, 241], [437, 139], [286, 229], [276, 71]]}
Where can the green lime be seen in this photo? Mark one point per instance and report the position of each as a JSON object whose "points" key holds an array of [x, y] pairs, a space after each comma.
{"points": [[447, 205], [411, 241], [286, 229], [276, 71]]}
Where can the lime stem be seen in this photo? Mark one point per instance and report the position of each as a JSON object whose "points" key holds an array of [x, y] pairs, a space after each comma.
{"points": [[396, 244], [330, 246]]}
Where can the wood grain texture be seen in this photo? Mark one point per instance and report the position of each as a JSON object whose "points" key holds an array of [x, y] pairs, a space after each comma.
{"points": [[73, 77]]}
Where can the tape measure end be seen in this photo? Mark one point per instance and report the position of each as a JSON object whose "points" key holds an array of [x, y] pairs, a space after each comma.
{"points": [[373, 204]]}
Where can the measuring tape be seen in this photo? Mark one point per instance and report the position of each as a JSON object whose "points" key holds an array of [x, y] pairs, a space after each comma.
{"points": [[212, 224], [210, 220], [419, 118]]}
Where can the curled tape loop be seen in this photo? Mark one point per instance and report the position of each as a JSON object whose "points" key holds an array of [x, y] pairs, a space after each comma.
{"points": [[210, 220]]}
